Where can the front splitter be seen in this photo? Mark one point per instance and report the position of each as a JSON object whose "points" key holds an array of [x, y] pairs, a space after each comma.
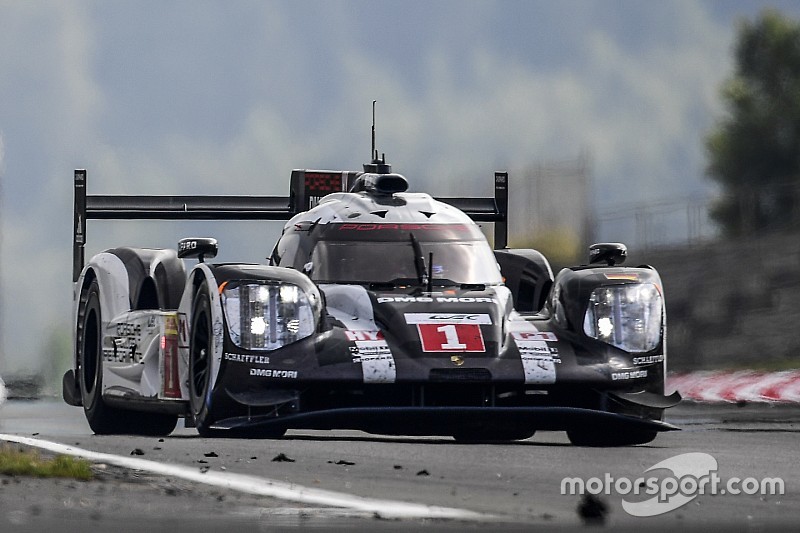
{"points": [[418, 421]]}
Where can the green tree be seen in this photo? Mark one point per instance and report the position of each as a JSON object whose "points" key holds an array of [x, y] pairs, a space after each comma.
{"points": [[754, 151]]}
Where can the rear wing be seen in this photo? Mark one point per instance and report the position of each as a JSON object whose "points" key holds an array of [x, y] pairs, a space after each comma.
{"points": [[306, 189]]}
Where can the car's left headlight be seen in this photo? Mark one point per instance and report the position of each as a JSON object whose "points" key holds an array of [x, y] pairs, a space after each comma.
{"points": [[626, 316], [267, 315]]}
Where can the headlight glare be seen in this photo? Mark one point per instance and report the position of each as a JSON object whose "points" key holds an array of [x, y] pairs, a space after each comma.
{"points": [[267, 315], [627, 316]]}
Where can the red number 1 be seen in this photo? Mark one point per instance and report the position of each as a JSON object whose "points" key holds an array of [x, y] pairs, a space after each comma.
{"points": [[451, 338]]}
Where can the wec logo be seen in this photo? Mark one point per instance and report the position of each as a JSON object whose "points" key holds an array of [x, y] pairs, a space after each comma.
{"points": [[447, 318], [454, 318]]}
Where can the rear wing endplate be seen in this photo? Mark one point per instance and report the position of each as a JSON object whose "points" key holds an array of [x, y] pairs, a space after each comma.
{"points": [[307, 188]]}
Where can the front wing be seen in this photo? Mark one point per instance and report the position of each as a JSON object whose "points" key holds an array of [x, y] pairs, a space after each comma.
{"points": [[445, 420]]}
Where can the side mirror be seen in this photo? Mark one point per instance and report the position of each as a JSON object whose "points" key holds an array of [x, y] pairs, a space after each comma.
{"points": [[201, 248], [610, 253]]}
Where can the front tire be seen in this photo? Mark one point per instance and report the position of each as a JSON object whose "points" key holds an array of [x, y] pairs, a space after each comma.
{"points": [[201, 351]]}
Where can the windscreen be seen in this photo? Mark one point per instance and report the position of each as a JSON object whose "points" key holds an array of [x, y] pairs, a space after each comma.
{"points": [[389, 253]]}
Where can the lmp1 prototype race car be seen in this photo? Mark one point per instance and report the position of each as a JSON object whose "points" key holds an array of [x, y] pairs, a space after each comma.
{"points": [[380, 310]]}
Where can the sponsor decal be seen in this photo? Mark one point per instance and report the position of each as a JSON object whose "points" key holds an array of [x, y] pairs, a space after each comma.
{"points": [[364, 335], [170, 324], [124, 329], [436, 337], [187, 245], [633, 374], [249, 359], [270, 373], [376, 360], [624, 277], [123, 350], [464, 299], [372, 356], [217, 328], [402, 227], [170, 374], [539, 369], [648, 360], [405, 299], [438, 299], [534, 348], [538, 359], [536, 351], [119, 354], [448, 318], [534, 336]]}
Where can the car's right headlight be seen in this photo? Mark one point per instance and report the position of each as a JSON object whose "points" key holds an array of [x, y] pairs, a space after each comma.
{"points": [[267, 315], [627, 316]]}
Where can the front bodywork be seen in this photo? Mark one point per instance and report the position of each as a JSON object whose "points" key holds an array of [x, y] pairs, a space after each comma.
{"points": [[407, 361]]}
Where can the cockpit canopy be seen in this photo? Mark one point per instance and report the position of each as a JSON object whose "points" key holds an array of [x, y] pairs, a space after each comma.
{"points": [[388, 252]]}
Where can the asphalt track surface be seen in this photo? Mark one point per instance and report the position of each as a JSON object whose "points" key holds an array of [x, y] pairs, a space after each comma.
{"points": [[345, 480]]}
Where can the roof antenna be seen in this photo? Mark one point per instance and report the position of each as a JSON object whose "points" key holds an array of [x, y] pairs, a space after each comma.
{"points": [[378, 165], [374, 153]]}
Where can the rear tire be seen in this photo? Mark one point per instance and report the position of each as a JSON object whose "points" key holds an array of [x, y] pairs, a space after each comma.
{"points": [[103, 419]]}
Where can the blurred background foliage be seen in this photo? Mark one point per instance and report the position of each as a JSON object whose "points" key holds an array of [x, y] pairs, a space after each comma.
{"points": [[754, 150]]}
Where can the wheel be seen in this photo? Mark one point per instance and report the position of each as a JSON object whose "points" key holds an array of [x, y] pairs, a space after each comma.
{"points": [[599, 437], [102, 418], [201, 350]]}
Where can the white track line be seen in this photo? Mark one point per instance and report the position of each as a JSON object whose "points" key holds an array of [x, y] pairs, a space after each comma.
{"points": [[263, 486]]}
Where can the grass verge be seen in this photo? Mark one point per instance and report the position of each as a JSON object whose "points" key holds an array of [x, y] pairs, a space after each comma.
{"points": [[15, 461]]}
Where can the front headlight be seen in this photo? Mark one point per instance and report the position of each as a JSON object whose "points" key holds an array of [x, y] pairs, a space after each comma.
{"points": [[626, 316], [267, 316]]}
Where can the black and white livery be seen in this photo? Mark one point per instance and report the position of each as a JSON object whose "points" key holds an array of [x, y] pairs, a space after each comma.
{"points": [[380, 310]]}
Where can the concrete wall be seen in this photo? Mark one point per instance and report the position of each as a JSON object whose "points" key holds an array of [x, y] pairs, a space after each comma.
{"points": [[732, 304]]}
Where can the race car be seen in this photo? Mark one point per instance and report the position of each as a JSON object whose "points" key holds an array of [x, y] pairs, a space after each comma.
{"points": [[379, 310]]}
